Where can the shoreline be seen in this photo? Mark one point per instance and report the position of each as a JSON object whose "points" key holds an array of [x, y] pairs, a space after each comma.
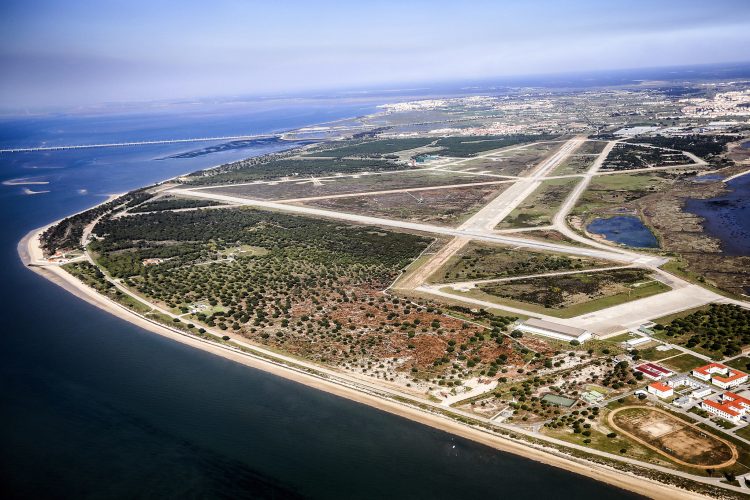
{"points": [[30, 253]]}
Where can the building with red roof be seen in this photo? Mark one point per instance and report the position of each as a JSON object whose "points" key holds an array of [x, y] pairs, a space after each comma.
{"points": [[661, 390], [720, 375], [654, 371], [730, 407]]}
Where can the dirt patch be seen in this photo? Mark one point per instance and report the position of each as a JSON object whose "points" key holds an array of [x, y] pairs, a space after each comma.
{"points": [[672, 437], [447, 207]]}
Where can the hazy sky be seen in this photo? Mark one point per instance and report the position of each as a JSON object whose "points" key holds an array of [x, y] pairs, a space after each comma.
{"points": [[83, 52]]}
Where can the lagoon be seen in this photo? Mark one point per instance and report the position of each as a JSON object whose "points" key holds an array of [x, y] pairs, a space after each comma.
{"points": [[624, 229]]}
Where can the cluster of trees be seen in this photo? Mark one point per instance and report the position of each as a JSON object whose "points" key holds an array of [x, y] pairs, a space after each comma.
{"points": [[314, 239], [92, 276], [172, 203], [630, 156], [705, 146], [272, 167], [66, 234], [484, 262], [374, 148], [720, 329], [577, 420], [240, 144], [543, 292], [620, 375], [465, 147]]}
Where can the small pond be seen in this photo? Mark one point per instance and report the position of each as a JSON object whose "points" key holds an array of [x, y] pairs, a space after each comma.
{"points": [[626, 230]]}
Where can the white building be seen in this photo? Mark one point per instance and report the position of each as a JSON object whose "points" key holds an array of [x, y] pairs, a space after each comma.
{"points": [[732, 407], [720, 375], [660, 390], [554, 330], [629, 344]]}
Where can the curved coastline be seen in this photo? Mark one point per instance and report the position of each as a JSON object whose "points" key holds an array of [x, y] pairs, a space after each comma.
{"points": [[30, 253]]}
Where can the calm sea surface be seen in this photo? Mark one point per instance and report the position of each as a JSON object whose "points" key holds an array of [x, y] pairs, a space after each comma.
{"points": [[94, 407]]}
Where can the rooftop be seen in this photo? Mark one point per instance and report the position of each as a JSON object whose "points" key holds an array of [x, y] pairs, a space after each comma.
{"points": [[568, 331], [713, 368], [660, 387]]}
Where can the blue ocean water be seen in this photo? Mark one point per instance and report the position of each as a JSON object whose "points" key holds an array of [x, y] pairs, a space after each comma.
{"points": [[94, 407], [624, 229]]}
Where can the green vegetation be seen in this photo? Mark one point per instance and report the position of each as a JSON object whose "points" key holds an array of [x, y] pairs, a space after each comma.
{"points": [[612, 193], [721, 330], [583, 307], [683, 363], [743, 432], [671, 317], [741, 363], [373, 148], [310, 287], [705, 146], [651, 354], [567, 290], [197, 236], [539, 208], [479, 261], [172, 203], [575, 164], [464, 147], [265, 168], [67, 234], [93, 277], [630, 156], [591, 148]]}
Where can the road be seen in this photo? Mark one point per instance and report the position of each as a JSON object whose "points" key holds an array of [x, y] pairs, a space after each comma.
{"points": [[481, 235], [481, 227], [391, 191]]}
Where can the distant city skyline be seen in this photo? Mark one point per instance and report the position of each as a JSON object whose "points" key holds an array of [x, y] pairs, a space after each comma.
{"points": [[83, 52]]}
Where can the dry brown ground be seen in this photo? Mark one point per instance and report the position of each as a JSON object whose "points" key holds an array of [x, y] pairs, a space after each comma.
{"points": [[447, 207], [673, 437]]}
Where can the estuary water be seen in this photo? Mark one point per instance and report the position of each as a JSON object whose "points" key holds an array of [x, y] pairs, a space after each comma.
{"points": [[727, 217], [94, 407]]}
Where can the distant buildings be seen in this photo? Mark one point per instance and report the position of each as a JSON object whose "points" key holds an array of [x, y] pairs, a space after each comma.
{"points": [[554, 330], [720, 375]]}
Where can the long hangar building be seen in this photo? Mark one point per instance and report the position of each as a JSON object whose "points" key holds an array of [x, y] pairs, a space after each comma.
{"points": [[553, 330]]}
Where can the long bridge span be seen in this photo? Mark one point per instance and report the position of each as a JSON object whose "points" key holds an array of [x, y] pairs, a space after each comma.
{"points": [[136, 143]]}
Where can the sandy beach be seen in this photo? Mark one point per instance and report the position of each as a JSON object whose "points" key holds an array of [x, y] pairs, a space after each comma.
{"points": [[31, 254]]}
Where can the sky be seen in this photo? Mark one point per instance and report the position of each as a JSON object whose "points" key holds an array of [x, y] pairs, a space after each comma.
{"points": [[80, 52]]}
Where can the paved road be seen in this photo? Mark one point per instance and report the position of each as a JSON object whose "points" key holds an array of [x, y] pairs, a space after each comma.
{"points": [[391, 191], [498, 209], [481, 227], [471, 284], [491, 237]]}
